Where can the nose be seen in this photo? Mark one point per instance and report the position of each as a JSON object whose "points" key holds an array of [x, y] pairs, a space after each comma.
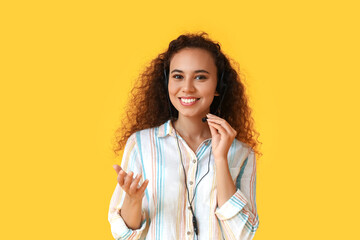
{"points": [[188, 85]]}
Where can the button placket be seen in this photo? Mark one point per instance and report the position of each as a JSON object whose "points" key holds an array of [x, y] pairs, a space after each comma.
{"points": [[191, 180], [192, 175]]}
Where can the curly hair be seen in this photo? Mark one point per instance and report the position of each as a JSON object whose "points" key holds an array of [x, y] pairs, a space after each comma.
{"points": [[144, 111]]}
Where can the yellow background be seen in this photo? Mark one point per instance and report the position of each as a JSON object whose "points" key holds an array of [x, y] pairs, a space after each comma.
{"points": [[67, 67]]}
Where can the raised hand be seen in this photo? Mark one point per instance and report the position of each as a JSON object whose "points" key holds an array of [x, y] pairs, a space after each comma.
{"points": [[222, 136], [130, 184]]}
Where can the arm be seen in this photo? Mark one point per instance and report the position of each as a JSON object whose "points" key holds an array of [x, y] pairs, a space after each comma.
{"points": [[131, 208], [125, 213], [224, 183], [238, 216], [236, 209]]}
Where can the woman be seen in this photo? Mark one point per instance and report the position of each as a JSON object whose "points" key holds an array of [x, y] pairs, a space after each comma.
{"points": [[188, 170]]}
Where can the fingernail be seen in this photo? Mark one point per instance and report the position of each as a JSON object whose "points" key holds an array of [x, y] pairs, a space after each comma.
{"points": [[121, 172]]}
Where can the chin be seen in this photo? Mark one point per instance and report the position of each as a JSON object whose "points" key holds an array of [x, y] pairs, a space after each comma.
{"points": [[192, 114]]}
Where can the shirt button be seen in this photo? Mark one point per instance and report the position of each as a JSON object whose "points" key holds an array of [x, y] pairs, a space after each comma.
{"points": [[194, 161], [191, 182], [188, 233]]}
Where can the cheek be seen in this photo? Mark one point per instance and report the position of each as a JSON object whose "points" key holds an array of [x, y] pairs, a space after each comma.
{"points": [[210, 95], [172, 89], [172, 93], [209, 92]]}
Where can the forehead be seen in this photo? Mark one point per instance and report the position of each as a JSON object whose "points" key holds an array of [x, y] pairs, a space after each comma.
{"points": [[193, 58]]}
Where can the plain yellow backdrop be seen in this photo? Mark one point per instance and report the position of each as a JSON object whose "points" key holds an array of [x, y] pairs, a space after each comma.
{"points": [[66, 70]]}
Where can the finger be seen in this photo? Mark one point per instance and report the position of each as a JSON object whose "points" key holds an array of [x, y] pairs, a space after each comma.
{"points": [[224, 124], [121, 177], [212, 129], [128, 180], [221, 121], [219, 128], [117, 168], [143, 186], [134, 185], [209, 115]]}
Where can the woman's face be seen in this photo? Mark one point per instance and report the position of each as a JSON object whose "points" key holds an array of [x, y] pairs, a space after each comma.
{"points": [[192, 82]]}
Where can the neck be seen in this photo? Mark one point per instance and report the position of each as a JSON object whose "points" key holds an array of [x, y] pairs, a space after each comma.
{"points": [[192, 128]]}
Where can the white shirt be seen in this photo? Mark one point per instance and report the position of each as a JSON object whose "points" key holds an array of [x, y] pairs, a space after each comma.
{"points": [[154, 153]]}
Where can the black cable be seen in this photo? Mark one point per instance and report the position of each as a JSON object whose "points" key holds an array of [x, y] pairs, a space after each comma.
{"points": [[196, 230]]}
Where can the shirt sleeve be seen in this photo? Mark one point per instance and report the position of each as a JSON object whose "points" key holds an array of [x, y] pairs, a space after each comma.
{"points": [[238, 216], [130, 162]]}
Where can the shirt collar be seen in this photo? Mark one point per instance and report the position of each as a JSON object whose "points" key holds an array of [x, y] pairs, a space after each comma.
{"points": [[166, 129]]}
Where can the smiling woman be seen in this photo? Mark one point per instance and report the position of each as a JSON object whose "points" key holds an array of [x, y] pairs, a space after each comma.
{"points": [[181, 177]]}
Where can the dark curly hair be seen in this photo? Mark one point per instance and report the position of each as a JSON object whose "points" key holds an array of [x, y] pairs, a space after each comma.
{"points": [[144, 111]]}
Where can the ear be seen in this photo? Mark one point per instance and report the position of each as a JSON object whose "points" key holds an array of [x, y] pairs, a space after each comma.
{"points": [[216, 94]]}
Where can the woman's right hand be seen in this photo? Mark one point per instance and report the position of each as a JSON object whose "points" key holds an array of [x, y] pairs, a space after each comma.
{"points": [[130, 184]]}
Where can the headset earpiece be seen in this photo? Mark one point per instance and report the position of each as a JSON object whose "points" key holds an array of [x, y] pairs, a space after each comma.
{"points": [[222, 86], [166, 79], [221, 90]]}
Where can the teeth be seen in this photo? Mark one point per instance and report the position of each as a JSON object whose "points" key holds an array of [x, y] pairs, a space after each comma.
{"points": [[188, 100]]}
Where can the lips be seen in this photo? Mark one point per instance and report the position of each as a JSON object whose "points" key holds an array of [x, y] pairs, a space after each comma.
{"points": [[187, 101]]}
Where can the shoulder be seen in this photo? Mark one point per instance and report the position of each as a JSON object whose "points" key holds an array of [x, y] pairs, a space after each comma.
{"points": [[241, 147], [147, 135], [147, 132], [239, 152]]}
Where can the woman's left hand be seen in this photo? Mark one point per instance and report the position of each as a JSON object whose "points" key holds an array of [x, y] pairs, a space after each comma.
{"points": [[222, 136]]}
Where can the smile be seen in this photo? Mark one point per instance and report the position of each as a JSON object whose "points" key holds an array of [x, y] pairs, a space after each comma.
{"points": [[188, 101]]}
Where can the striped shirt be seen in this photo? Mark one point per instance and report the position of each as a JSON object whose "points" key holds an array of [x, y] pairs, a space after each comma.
{"points": [[166, 215]]}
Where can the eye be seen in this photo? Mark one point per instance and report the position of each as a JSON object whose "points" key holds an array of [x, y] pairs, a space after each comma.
{"points": [[177, 76], [201, 77]]}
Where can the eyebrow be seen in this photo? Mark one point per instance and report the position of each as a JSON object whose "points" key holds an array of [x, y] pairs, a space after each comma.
{"points": [[196, 71]]}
